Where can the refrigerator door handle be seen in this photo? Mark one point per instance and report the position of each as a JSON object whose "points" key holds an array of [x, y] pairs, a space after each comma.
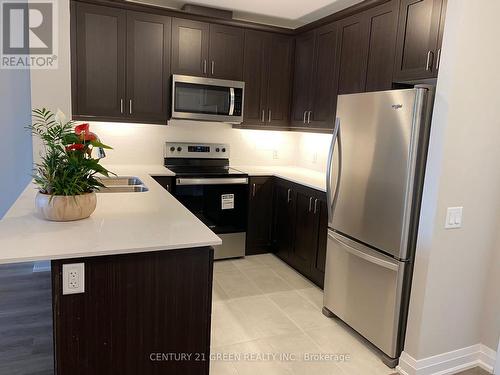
{"points": [[361, 254], [332, 195]]}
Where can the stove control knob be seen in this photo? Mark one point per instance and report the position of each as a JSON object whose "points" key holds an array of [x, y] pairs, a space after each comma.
{"points": [[179, 149], [223, 150], [217, 149], [172, 149]]}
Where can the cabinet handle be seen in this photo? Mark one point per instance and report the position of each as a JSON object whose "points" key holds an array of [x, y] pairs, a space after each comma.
{"points": [[304, 119], [213, 67], [263, 116], [168, 187], [428, 65], [438, 58], [310, 204], [130, 106], [269, 116], [253, 190], [121, 106], [315, 206], [205, 66], [288, 198], [309, 117]]}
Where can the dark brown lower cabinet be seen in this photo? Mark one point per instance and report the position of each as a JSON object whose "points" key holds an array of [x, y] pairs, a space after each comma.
{"points": [[284, 223], [166, 182], [260, 214], [300, 228], [146, 313], [317, 272]]}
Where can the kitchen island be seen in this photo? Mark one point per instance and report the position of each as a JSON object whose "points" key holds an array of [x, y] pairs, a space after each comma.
{"points": [[148, 278]]}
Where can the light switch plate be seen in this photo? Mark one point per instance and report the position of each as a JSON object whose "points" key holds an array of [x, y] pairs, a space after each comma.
{"points": [[453, 218], [73, 278]]}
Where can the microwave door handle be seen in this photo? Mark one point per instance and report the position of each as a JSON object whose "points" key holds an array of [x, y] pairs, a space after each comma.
{"points": [[231, 101]]}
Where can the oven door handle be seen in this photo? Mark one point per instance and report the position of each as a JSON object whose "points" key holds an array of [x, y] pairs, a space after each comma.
{"points": [[231, 101], [211, 181]]}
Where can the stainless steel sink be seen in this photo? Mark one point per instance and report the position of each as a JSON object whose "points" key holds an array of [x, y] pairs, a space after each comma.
{"points": [[122, 184], [121, 181]]}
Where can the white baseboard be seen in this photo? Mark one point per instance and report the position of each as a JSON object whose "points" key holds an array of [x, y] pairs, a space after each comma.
{"points": [[452, 362]]}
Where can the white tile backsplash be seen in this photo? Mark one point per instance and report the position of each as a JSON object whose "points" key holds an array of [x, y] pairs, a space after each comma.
{"points": [[144, 143]]}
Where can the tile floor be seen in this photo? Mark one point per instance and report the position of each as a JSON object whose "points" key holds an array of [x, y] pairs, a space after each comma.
{"points": [[267, 315]]}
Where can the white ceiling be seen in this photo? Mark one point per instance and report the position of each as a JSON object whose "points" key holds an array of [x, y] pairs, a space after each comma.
{"points": [[286, 13]]}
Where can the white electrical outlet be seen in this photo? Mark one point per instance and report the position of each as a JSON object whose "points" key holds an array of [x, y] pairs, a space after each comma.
{"points": [[73, 278], [275, 154], [453, 218]]}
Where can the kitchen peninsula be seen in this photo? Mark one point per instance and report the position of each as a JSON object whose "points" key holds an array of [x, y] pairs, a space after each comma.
{"points": [[148, 281]]}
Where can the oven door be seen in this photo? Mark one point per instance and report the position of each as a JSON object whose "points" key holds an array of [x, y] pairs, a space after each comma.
{"points": [[198, 98], [220, 203]]}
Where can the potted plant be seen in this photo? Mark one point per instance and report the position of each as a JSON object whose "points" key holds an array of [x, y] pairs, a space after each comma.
{"points": [[66, 175]]}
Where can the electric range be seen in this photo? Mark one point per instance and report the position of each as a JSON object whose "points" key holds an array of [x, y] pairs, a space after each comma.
{"points": [[216, 193]]}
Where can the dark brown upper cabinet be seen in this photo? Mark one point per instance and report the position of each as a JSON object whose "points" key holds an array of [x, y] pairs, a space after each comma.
{"points": [[120, 64], [419, 39], [190, 47], [323, 99], [314, 93], [302, 82], [209, 50], [382, 22], [98, 61], [148, 66], [267, 76], [352, 45], [226, 52], [280, 56]]}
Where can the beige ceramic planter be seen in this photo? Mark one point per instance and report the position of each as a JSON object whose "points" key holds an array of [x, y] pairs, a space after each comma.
{"points": [[65, 208]]}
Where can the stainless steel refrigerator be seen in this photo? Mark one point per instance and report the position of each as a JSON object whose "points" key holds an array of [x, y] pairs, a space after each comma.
{"points": [[374, 182]]}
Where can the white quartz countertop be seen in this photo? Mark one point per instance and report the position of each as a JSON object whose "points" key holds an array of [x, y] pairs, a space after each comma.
{"points": [[122, 223], [302, 176]]}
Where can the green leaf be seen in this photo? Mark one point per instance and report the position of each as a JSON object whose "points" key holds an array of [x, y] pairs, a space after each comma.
{"points": [[100, 145]]}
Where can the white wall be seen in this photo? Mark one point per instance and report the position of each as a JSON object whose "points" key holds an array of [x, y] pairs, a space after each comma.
{"points": [[451, 272], [15, 150]]}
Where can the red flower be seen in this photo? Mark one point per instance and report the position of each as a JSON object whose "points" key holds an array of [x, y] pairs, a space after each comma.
{"points": [[88, 136], [75, 147], [82, 128]]}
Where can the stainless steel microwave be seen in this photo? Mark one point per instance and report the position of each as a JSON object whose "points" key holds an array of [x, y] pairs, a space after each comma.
{"points": [[207, 99]]}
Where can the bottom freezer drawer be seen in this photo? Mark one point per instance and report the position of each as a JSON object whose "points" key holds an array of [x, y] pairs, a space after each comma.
{"points": [[363, 288]]}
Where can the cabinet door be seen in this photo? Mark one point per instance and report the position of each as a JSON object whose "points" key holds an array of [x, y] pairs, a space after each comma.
{"points": [[260, 213], [383, 24], [166, 182], [255, 77], [148, 66], [303, 68], [417, 39], [324, 94], [279, 77], [226, 52], [319, 259], [353, 41], [189, 47], [440, 34], [306, 232], [99, 83], [284, 218]]}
